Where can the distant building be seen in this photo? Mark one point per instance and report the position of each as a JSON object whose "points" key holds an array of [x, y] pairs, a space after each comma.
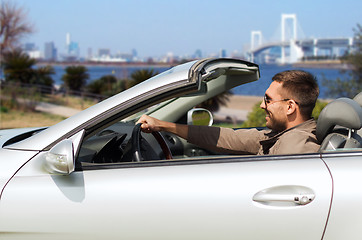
{"points": [[29, 47], [32, 51], [89, 54], [134, 53], [222, 53], [50, 52], [104, 52], [197, 54], [72, 49], [34, 54]]}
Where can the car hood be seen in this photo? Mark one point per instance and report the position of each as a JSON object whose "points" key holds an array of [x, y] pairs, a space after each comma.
{"points": [[7, 136]]}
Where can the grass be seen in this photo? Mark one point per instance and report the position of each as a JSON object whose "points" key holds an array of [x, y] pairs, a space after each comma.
{"points": [[69, 101], [18, 114], [19, 119]]}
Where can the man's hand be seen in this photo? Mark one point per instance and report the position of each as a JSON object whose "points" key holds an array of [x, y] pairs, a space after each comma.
{"points": [[150, 124]]}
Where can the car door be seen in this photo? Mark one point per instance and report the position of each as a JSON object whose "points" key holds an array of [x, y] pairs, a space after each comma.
{"points": [[238, 197]]}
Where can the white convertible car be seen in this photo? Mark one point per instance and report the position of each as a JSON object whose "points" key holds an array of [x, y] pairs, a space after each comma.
{"points": [[94, 176]]}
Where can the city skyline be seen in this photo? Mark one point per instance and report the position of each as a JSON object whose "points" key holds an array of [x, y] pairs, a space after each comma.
{"points": [[157, 28]]}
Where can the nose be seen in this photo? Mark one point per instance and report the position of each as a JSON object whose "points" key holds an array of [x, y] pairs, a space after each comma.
{"points": [[262, 104]]}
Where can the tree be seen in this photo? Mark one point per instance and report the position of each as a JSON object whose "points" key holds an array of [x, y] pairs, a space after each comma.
{"points": [[106, 85], [255, 118], [351, 86], [14, 25], [43, 78], [75, 77], [139, 76], [18, 67]]}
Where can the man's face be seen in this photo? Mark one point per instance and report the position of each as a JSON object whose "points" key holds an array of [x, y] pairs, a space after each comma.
{"points": [[275, 107]]}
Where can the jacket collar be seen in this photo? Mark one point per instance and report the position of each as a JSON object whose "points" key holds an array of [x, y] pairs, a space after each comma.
{"points": [[307, 125]]}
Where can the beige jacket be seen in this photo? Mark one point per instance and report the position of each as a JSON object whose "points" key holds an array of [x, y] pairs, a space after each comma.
{"points": [[299, 139]]}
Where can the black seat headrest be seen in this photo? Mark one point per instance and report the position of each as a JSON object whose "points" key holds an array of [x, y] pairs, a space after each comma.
{"points": [[343, 112]]}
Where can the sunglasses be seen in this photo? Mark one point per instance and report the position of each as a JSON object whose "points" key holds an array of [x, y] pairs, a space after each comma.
{"points": [[268, 100]]}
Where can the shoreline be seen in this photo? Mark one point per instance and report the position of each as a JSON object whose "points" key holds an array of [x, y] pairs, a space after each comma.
{"points": [[326, 64], [243, 102]]}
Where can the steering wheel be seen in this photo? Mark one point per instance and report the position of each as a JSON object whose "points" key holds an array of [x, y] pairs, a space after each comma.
{"points": [[136, 146]]}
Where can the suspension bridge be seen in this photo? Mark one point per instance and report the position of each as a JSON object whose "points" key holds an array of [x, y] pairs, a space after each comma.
{"points": [[291, 48]]}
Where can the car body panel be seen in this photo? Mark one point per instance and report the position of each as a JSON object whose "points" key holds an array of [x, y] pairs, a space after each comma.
{"points": [[8, 134], [345, 217], [193, 199], [9, 168]]}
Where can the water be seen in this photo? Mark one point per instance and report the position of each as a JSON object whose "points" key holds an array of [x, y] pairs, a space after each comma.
{"points": [[96, 72], [254, 89], [259, 87]]}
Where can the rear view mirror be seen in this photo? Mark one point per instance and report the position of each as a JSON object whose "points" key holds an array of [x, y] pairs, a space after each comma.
{"points": [[199, 116], [60, 159]]}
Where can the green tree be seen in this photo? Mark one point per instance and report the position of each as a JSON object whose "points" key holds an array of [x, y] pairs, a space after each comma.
{"points": [[141, 75], [106, 85], [255, 118], [18, 67], [43, 78], [319, 105], [75, 77], [352, 85]]}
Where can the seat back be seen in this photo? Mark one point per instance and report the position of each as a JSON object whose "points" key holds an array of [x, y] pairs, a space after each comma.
{"points": [[358, 98], [337, 125]]}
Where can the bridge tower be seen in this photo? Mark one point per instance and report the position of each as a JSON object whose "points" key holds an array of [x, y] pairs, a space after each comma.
{"points": [[255, 35], [286, 17]]}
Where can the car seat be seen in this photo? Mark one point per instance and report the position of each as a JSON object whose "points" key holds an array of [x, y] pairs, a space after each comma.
{"points": [[338, 124], [358, 99]]}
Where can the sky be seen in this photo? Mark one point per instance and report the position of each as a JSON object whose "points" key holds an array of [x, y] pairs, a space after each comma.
{"points": [[157, 27]]}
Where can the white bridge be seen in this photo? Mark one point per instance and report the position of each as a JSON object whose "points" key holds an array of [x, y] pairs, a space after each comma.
{"points": [[290, 49]]}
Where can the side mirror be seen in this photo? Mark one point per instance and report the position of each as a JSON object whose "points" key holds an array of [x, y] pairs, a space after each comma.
{"points": [[199, 116], [60, 158]]}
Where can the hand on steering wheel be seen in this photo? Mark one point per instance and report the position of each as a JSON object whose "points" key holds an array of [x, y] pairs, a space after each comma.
{"points": [[136, 146]]}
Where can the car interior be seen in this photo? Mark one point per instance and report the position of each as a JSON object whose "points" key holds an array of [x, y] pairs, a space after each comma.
{"points": [[339, 125], [338, 129]]}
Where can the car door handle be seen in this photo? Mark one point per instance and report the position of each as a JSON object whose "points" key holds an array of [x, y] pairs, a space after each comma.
{"points": [[289, 195]]}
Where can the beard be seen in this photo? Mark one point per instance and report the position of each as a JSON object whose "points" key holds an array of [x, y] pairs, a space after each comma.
{"points": [[274, 123]]}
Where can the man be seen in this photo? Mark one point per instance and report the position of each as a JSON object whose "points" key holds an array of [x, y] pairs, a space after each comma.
{"points": [[288, 103]]}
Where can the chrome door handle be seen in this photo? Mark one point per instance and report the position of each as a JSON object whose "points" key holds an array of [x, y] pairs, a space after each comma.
{"points": [[285, 195]]}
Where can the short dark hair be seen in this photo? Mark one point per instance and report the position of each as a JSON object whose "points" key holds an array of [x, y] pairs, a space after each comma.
{"points": [[300, 86]]}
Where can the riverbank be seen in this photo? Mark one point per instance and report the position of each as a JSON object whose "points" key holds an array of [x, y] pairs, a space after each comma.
{"points": [[325, 64], [110, 64]]}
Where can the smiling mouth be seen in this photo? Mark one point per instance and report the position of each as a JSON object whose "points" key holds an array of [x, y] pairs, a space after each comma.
{"points": [[267, 114]]}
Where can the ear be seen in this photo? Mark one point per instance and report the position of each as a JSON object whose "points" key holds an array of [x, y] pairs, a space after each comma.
{"points": [[291, 107]]}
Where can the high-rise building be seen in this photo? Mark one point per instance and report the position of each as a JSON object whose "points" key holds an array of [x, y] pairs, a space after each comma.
{"points": [[50, 52], [222, 53], [197, 54], [32, 50], [104, 52], [29, 47], [72, 49], [90, 53]]}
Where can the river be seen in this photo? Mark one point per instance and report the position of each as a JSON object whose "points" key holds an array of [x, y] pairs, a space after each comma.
{"points": [[254, 89]]}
